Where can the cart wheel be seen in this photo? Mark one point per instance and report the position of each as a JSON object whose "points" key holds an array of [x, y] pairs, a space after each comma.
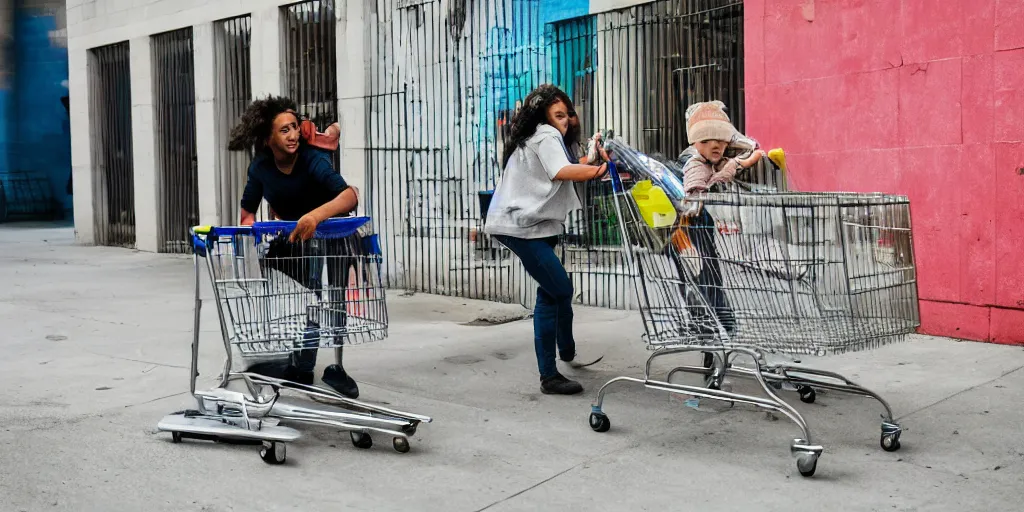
{"points": [[807, 463], [711, 381], [409, 429], [890, 442], [599, 422], [807, 394], [175, 437], [361, 440], [401, 445], [273, 452]]}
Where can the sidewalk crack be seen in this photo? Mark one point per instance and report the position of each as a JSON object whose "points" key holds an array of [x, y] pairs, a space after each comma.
{"points": [[556, 475], [958, 393]]}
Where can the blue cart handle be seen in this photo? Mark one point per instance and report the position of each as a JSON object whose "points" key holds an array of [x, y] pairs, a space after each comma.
{"points": [[339, 227]]}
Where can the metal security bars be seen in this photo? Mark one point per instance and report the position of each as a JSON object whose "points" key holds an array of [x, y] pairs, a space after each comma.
{"points": [[387, 195], [309, 50], [635, 71], [232, 38], [658, 58], [174, 97], [447, 78], [111, 134]]}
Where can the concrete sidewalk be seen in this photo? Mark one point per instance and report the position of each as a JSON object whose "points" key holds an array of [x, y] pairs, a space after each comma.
{"points": [[95, 343]]}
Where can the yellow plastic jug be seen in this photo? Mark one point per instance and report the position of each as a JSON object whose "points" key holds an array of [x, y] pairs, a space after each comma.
{"points": [[654, 205]]}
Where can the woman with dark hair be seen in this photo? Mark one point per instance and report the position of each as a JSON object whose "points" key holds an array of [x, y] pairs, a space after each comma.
{"points": [[528, 213], [300, 184]]}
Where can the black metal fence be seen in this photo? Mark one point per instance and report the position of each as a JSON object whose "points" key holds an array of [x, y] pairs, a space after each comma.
{"points": [[27, 195], [635, 71], [447, 77], [113, 189], [174, 97], [232, 40], [440, 91], [309, 51]]}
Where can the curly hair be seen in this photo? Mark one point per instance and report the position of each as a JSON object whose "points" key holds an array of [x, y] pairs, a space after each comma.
{"points": [[534, 112], [257, 121]]}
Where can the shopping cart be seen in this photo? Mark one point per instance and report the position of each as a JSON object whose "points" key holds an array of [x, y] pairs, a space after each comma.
{"points": [[739, 276], [278, 300]]}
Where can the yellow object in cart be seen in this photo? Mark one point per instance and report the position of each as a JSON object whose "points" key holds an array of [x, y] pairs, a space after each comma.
{"points": [[654, 205]]}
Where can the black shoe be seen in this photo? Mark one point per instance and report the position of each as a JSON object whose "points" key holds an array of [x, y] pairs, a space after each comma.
{"points": [[559, 385], [335, 377]]}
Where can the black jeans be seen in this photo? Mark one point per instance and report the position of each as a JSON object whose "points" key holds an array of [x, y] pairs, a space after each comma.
{"points": [[709, 281], [303, 262]]}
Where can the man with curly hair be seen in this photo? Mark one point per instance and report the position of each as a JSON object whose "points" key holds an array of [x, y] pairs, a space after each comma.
{"points": [[295, 175]]}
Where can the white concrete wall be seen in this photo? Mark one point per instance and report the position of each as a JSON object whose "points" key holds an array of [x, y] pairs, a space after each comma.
{"points": [[95, 23]]}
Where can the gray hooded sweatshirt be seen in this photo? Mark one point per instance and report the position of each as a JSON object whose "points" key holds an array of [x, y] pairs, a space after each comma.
{"points": [[528, 202]]}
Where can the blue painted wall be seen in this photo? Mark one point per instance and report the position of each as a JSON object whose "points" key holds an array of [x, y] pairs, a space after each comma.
{"points": [[4, 141], [516, 58], [38, 123], [552, 11]]}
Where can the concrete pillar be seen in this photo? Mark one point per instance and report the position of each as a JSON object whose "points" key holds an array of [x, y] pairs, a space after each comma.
{"points": [[265, 52], [203, 48], [352, 65], [79, 86], [147, 179]]}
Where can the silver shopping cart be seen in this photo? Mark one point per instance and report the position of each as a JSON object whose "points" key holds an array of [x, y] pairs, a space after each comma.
{"points": [[277, 300], [740, 276]]}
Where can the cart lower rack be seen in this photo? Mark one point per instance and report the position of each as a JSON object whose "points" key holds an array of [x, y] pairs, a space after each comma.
{"points": [[740, 276], [277, 300]]}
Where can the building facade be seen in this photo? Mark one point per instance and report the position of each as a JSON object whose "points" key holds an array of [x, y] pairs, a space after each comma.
{"points": [[423, 90]]}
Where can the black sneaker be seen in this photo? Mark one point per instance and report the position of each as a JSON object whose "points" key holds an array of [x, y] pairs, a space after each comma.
{"points": [[559, 385], [336, 377]]}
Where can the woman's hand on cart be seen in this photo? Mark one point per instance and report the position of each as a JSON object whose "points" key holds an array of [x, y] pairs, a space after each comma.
{"points": [[595, 150]]}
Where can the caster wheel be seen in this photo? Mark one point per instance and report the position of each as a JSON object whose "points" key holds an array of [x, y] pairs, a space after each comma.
{"points": [[401, 445], [807, 463], [409, 430], [361, 440], [890, 442], [807, 394], [273, 453], [599, 422], [175, 437]]}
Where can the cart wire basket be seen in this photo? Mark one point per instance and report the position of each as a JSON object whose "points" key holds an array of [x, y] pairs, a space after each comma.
{"points": [[277, 300], [739, 276]]}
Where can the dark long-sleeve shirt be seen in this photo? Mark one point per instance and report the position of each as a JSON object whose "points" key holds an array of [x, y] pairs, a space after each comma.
{"points": [[312, 183]]}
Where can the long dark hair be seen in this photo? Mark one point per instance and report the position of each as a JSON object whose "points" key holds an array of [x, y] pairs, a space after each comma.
{"points": [[534, 112], [257, 121]]}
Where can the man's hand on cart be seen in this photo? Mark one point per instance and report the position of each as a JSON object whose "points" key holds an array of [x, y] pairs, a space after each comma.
{"points": [[247, 218], [305, 228]]}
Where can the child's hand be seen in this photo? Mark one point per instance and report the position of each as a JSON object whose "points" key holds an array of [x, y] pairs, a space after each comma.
{"points": [[752, 159]]}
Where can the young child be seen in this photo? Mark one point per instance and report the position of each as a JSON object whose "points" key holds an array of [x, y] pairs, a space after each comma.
{"points": [[711, 133]]}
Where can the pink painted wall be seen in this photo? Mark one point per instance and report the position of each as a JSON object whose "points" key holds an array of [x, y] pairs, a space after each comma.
{"points": [[916, 97]]}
